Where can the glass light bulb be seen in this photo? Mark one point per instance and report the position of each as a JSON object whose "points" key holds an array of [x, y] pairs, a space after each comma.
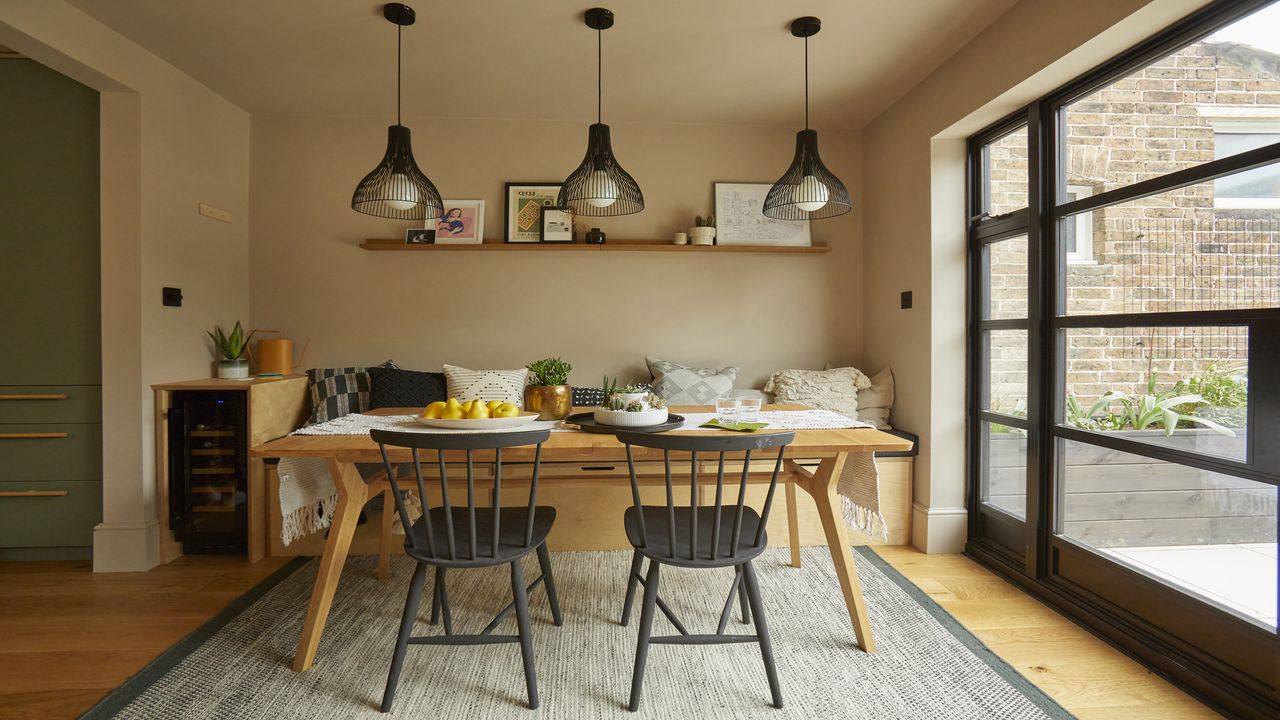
{"points": [[404, 191], [810, 194], [603, 188]]}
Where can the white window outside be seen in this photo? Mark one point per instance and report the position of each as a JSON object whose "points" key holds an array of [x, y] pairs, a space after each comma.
{"points": [[1078, 229], [1256, 188]]}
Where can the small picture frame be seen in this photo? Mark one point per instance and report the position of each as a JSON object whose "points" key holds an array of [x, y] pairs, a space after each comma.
{"points": [[556, 224], [419, 236], [524, 203], [461, 222]]}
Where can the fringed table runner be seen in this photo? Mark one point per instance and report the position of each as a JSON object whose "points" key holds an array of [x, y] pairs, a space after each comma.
{"points": [[308, 497]]}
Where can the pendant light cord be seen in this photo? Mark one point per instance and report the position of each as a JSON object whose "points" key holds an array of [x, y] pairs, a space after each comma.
{"points": [[806, 82], [599, 75], [399, 30]]}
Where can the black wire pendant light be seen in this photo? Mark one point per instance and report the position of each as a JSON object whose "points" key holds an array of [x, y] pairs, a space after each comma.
{"points": [[396, 188], [600, 187], [807, 190]]}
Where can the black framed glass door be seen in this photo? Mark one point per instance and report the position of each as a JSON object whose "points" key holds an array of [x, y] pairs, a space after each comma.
{"points": [[1147, 438]]}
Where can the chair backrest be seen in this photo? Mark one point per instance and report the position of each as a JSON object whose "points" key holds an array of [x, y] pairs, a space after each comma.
{"points": [[721, 446], [470, 442]]}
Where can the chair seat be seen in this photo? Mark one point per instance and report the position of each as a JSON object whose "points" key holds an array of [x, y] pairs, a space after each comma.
{"points": [[511, 544], [657, 524]]}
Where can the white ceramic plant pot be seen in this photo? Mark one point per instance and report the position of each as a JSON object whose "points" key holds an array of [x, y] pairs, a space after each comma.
{"points": [[702, 235], [622, 418], [628, 398], [237, 369]]}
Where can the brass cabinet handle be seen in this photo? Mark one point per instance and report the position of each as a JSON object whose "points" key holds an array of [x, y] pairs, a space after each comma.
{"points": [[30, 436], [33, 493], [33, 397]]}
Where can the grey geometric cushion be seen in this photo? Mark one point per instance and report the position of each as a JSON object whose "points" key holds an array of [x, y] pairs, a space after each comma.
{"points": [[682, 385]]}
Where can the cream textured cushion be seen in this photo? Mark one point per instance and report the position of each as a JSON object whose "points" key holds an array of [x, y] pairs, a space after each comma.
{"points": [[681, 385], [875, 402], [504, 385], [835, 389]]}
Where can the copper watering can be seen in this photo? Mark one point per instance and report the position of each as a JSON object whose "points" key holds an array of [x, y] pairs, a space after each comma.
{"points": [[275, 355]]}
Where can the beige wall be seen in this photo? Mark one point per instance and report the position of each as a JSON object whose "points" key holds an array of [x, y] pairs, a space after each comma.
{"points": [[601, 311], [168, 143], [915, 210]]}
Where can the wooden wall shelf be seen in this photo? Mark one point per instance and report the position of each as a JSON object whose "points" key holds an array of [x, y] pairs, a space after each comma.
{"points": [[385, 245]]}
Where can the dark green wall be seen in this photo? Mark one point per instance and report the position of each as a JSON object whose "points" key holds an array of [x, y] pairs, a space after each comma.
{"points": [[49, 237]]}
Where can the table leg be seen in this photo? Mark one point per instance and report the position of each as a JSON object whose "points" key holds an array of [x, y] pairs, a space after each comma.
{"points": [[793, 525], [822, 486], [352, 493]]}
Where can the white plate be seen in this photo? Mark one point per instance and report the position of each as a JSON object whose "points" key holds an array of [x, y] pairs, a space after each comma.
{"points": [[524, 418]]}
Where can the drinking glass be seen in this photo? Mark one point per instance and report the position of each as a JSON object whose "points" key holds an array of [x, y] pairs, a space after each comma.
{"points": [[749, 409], [727, 410]]}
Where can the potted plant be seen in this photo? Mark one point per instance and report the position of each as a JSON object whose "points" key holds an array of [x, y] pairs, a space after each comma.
{"points": [[230, 348], [548, 392], [630, 406], [703, 231]]}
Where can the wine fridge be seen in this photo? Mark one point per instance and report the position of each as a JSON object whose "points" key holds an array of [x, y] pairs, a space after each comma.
{"points": [[208, 471]]}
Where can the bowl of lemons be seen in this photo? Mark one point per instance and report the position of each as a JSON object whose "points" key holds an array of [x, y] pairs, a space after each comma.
{"points": [[474, 414]]}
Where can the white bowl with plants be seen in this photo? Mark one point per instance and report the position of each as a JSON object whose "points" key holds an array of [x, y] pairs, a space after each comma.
{"points": [[631, 406]]}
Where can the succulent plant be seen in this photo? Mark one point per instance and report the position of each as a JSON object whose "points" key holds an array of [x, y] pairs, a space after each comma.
{"points": [[635, 406], [699, 222], [655, 402], [231, 346], [549, 371]]}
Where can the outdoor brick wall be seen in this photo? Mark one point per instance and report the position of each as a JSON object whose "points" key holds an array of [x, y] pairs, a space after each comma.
{"points": [[1174, 251]]}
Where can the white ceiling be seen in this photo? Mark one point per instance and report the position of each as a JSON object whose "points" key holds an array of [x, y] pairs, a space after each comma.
{"points": [[698, 61]]}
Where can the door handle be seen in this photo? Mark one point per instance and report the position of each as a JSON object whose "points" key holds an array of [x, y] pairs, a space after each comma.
{"points": [[34, 493], [33, 436]]}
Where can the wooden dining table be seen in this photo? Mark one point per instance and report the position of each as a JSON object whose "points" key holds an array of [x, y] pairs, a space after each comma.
{"points": [[828, 448]]}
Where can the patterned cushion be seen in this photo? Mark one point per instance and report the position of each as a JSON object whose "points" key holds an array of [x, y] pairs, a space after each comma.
{"points": [[505, 385], [594, 396], [835, 390], [336, 392], [392, 387], [680, 385]]}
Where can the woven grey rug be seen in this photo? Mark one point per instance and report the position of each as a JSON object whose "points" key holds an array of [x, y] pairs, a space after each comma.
{"points": [[926, 665]]}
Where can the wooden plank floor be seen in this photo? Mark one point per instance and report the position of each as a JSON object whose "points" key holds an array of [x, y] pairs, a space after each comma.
{"points": [[1085, 675], [68, 636]]}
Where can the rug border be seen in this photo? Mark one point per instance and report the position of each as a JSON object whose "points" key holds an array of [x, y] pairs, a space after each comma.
{"points": [[130, 689], [1007, 672]]}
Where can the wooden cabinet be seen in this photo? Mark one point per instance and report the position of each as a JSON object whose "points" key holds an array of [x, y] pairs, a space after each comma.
{"points": [[50, 370], [274, 407]]}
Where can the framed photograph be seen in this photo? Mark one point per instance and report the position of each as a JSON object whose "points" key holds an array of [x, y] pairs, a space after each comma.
{"points": [[419, 236], [740, 219], [461, 223], [524, 203], [556, 225]]}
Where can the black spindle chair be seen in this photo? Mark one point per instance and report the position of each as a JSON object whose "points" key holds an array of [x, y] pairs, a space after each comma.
{"points": [[470, 536], [695, 536]]}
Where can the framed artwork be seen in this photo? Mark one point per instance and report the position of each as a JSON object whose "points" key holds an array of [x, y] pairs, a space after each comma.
{"points": [[524, 203], [419, 236], [461, 223], [556, 225], [740, 219]]}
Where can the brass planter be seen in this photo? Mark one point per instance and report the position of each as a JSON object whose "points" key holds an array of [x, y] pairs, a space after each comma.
{"points": [[551, 402]]}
